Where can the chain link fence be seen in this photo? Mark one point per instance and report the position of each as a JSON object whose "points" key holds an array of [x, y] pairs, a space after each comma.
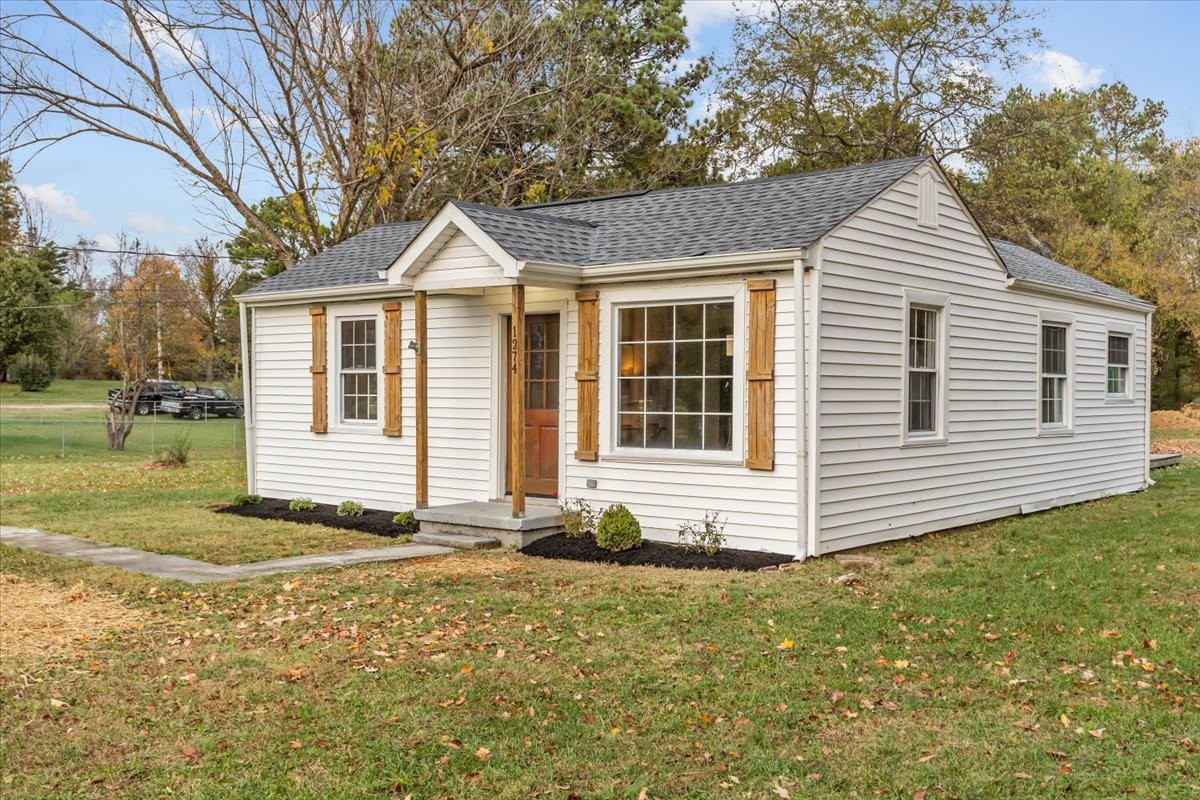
{"points": [[30, 435]]}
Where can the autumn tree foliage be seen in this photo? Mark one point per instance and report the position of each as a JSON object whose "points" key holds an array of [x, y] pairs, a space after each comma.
{"points": [[148, 329]]}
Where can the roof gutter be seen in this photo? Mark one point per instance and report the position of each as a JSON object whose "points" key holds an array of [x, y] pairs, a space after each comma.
{"points": [[693, 266], [1040, 287], [357, 291]]}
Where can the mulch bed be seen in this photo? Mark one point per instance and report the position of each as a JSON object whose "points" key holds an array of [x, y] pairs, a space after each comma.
{"points": [[652, 554], [371, 521]]}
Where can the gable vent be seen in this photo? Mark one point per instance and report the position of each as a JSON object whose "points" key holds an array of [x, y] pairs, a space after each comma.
{"points": [[927, 200]]}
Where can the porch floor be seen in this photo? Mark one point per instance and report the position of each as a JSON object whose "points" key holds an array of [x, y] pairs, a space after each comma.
{"points": [[490, 520]]}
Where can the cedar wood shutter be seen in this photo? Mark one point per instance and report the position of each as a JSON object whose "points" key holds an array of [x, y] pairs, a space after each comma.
{"points": [[587, 377], [391, 368], [760, 376], [320, 390]]}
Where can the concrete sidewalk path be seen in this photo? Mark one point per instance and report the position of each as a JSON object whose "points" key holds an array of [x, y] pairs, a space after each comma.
{"points": [[190, 570]]}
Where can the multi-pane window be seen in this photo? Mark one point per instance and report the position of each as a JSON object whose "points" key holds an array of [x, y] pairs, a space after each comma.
{"points": [[541, 362], [675, 377], [357, 370], [922, 400], [1054, 374], [1118, 364]]}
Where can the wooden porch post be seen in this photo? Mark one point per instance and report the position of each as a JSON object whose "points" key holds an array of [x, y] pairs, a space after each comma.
{"points": [[422, 405], [516, 403]]}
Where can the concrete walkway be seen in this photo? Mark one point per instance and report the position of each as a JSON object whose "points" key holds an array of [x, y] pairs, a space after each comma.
{"points": [[190, 570]]}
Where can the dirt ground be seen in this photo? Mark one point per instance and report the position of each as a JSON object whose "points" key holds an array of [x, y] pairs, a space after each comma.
{"points": [[1188, 417], [37, 618]]}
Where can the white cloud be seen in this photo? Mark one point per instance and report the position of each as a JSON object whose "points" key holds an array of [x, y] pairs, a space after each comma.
{"points": [[54, 202], [1057, 70], [106, 242], [150, 224], [169, 40], [704, 14]]}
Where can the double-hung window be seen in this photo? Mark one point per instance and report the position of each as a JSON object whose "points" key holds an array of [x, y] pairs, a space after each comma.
{"points": [[1054, 375], [675, 378], [923, 365], [1118, 365], [358, 370]]}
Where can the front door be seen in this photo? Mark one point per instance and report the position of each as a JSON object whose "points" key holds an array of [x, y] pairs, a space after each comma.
{"points": [[541, 404]]}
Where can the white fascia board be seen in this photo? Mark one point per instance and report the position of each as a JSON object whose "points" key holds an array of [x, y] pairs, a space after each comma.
{"points": [[1039, 287], [693, 266], [413, 259], [358, 291]]}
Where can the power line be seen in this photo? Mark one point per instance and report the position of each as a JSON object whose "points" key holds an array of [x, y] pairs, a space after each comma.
{"points": [[75, 249]]}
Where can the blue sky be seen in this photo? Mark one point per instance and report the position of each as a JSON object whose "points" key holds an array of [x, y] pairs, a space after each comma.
{"points": [[98, 187]]}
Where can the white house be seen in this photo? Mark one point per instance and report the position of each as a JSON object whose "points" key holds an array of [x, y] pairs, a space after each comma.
{"points": [[828, 359]]}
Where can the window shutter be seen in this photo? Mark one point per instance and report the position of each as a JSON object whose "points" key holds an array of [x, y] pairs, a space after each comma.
{"points": [[760, 376], [320, 386], [391, 368], [587, 377]]}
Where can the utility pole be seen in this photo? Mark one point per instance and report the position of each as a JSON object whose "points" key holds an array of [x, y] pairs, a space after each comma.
{"points": [[158, 329]]}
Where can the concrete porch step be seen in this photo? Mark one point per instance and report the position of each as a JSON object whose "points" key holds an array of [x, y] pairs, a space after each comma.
{"points": [[492, 522], [459, 541]]}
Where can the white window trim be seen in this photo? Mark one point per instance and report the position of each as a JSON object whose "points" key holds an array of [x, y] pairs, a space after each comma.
{"points": [[934, 301], [1120, 329], [334, 358], [611, 301], [1067, 426]]}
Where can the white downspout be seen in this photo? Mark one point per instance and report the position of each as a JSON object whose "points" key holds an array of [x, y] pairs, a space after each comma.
{"points": [[1149, 373], [801, 345], [814, 400], [247, 397]]}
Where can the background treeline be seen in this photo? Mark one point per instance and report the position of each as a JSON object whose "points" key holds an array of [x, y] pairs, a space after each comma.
{"points": [[345, 114]]}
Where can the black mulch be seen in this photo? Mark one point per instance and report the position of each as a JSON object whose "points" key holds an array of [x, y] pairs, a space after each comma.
{"points": [[372, 520], [652, 554]]}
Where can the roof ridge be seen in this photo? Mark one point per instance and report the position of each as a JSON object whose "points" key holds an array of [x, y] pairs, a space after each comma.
{"points": [[745, 182], [551, 218]]}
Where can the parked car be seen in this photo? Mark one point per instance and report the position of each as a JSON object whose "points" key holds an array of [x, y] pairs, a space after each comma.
{"points": [[204, 401], [150, 398]]}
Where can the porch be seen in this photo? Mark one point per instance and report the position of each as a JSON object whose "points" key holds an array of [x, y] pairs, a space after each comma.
{"points": [[482, 525]]}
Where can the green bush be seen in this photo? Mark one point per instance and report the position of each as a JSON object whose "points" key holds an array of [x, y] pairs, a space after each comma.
{"points": [[579, 519], [302, 504], [349, 508], [405, 519], [31, 371], [706, 537], [618, 529], [247, 500], [404, 538], [177, 453]]}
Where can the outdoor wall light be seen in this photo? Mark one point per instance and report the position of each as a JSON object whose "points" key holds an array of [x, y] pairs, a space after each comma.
{"points": [[415, 346]]}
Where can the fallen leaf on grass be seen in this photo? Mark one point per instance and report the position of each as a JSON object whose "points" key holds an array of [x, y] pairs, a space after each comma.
{"points": [[991, 637], [1114, 634], [190, 754], [1098, 733], [297, 744], [786, 644], [56, 703], [483, 753]]}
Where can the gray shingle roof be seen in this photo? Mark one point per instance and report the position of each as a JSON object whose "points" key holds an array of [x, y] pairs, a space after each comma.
{"points": [[353, 262], [791, 211], [1022, 263]]}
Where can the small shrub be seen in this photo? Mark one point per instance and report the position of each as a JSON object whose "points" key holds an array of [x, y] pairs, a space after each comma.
{"points": [[579, 519], [302, 504], [247, 500], [706, 537], [349, 508], [618, 529], [31, 371], [404, 538], [177, 453], [405, 519]]}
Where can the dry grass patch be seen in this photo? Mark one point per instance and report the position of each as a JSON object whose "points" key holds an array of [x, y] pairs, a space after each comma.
{"points": [[38, 618]]}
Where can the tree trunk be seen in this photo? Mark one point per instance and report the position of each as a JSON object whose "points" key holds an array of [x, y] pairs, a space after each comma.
{"points": [[118, 430]]}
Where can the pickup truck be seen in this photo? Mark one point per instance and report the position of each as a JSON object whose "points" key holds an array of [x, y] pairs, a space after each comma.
{"points": [[149, 399], [202, 402]]}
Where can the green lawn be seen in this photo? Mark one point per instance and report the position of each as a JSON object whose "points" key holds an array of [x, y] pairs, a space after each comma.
{"points": [[61, 391], [1050, 656]]}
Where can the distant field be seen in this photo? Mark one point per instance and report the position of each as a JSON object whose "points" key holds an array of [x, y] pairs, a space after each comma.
{"points": [[61, 391]]}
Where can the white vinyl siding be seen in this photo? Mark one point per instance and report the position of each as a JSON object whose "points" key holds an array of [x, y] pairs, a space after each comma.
{"points": [[871, 487]]}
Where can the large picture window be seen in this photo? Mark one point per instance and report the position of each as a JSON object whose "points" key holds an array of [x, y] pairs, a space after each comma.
{"points": [[358, 375], [1118, 365], [923, 348], [676, 376], [1054, 375]]}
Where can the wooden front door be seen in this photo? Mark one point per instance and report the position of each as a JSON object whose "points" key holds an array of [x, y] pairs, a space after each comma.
{"points": [[541, 403]]}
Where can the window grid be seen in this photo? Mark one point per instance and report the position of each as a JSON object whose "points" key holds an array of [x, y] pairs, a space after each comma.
{"points": [[541, 363], [1118, 364], [358, 371], [1054, 374], [922, 370], [675, 380]]}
